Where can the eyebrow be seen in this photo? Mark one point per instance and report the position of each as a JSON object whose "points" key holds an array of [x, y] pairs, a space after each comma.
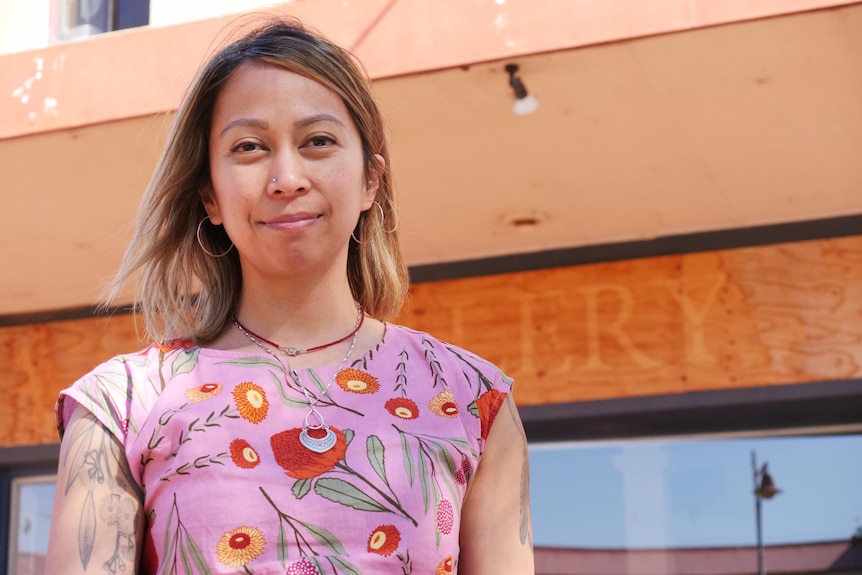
{"points": [[263, 125], [305, 122]]}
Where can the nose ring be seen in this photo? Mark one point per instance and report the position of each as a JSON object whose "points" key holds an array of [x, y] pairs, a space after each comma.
{"points": [[274, 180]]}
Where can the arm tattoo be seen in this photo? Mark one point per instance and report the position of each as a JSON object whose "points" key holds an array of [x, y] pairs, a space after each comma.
{"points": [[525, 531], [91, 457]]}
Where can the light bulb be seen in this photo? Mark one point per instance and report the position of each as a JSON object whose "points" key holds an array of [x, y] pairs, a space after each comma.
{"points": [[526, 105]]}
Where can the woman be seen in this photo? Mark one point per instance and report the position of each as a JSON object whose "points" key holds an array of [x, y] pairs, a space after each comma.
{"points": [[288, 429]]}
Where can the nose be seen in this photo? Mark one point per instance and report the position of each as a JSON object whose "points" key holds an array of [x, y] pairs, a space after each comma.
{"points": [[289, 174]]}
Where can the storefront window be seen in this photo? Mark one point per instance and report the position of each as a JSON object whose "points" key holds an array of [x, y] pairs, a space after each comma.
{"points": [[31, 501], [690, 496]]}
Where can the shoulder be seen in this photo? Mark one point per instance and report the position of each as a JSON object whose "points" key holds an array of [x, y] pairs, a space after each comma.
{"points": [[446, 355], [121, 387]]}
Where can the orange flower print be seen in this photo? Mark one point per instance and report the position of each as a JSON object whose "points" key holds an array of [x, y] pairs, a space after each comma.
{"points": [[488, 405], [402, 407], [239, 547], [202, 392], [356, 381], [445, 516], [243, 454], [251, 401], [445, 567], [300, 462], [172, 344], [444, 405], [384, 540], [303, 567]]}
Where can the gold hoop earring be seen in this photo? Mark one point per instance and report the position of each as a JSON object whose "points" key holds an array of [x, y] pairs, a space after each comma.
{"points": [[201, 244], [383, 219], [379, 229]]}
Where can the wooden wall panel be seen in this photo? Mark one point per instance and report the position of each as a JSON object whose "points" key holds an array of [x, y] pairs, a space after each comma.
{"points": [[787, 313], [37, 361]]}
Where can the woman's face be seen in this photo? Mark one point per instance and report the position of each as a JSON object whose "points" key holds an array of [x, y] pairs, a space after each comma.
{"points": [[271, 123]]}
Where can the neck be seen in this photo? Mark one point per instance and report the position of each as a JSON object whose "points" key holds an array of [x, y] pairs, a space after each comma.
{"points": [[298, 318]]}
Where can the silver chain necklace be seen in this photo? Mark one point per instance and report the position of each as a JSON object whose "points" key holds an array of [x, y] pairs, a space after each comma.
{"points": [[313, 418]]}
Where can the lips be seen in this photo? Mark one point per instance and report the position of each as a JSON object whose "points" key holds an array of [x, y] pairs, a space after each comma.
{"points": [[292, 221]]}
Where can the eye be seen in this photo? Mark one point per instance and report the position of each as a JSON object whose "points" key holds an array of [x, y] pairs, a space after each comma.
{"points": [[246, 146], [320, 141]]}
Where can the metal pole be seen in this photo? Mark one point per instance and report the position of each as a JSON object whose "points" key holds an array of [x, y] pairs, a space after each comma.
{"points": [[755, 473]]}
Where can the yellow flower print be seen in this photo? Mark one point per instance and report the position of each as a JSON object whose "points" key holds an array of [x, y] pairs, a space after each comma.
{"points": [[251, 401], [202, 392], [444, 404], [356, 381], [241, 546]]}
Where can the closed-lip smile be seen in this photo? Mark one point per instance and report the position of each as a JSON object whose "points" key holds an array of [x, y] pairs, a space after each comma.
{"points": [[291, 220]]}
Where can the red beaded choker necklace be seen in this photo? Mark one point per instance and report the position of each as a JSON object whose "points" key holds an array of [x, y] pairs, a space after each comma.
{"points": [[294, 351]]}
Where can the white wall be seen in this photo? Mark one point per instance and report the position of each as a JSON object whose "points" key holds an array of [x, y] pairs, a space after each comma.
{"points": [[24, 25]]}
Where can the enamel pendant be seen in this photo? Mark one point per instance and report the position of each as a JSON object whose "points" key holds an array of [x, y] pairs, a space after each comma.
{"points": [[315, 444]]}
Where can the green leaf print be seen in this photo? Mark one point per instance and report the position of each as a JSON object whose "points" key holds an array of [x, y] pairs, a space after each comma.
{"points": [[324, 537], [197, 555], [170, 542], [187, 565], [444, 456], [340, 491], [408, 457], [178, 540], [286, 399], [343, 566], [376, 456], [424, 480], [282, 544], [185, 362], [255, 362], [301, 488]]}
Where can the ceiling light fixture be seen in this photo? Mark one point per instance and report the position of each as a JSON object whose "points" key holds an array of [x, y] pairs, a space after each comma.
{"points": [[525, 103]]}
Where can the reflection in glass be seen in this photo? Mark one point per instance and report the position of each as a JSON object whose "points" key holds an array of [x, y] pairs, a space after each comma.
{"points": [[32, 500], [692, 495]]}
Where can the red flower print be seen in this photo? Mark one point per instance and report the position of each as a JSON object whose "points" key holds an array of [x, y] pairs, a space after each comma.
{"points": [[445, 567], [304, 567], [300, 462], [172, 344], [384, 540], [402, 407], [241, 546], [488, 405], [243, 454], [251, 401], [445, 516], [202, 392], [464, 472], [444, 404], [356, 381]]}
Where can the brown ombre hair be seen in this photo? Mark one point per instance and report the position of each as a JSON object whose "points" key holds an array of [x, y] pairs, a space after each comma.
{"points": [[183, 292]]}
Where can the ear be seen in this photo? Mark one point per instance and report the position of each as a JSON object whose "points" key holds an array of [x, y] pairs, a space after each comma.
{"points": [[372, 184], [210, 205]]}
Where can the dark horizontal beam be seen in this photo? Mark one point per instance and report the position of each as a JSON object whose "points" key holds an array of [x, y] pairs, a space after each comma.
{"points": [[803, 405], [661, 246]]}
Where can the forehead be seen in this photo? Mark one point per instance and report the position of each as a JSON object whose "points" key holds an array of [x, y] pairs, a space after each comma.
{"points": [[262, 89]]}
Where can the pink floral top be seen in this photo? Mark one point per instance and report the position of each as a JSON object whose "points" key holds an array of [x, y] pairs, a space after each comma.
{"points": [[212, 438]]}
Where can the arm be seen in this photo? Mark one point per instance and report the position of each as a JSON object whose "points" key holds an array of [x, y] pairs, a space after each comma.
{"points": [[496, 530], [98, 519]]}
